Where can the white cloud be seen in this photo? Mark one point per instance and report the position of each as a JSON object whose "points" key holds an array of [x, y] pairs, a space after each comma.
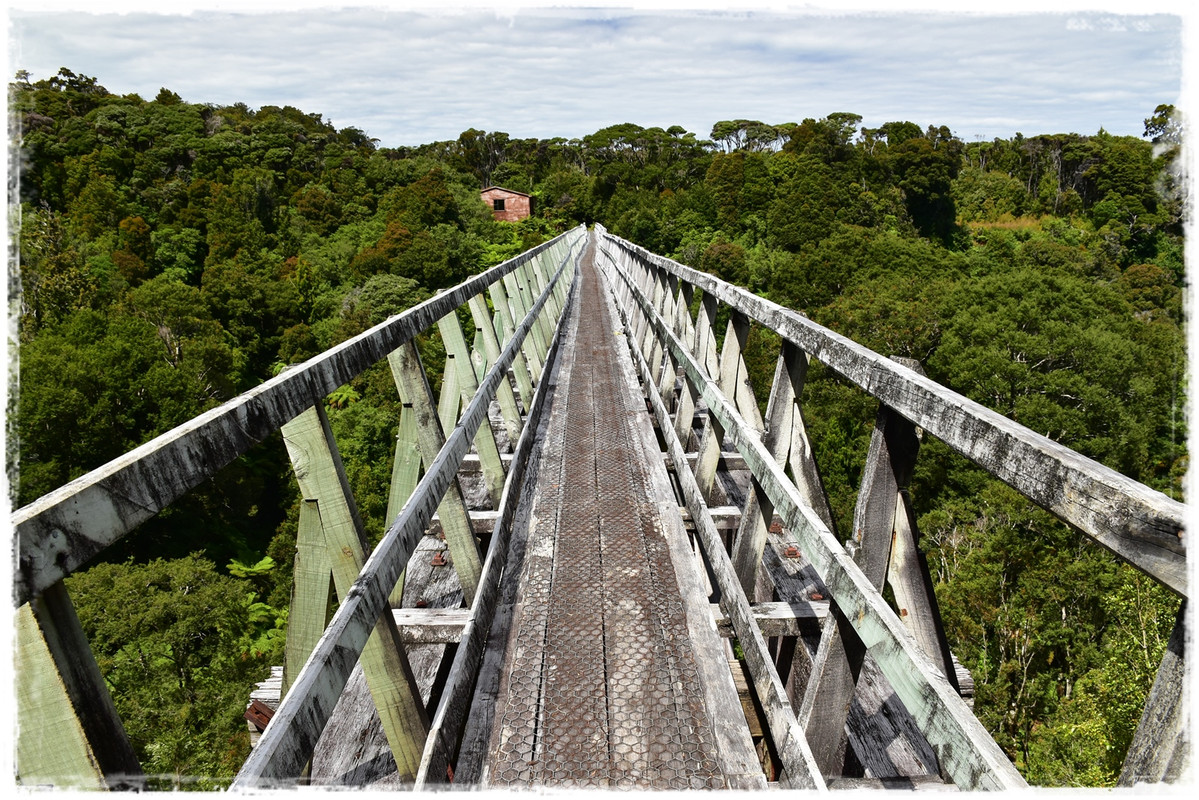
{"points": [[407, 77]]}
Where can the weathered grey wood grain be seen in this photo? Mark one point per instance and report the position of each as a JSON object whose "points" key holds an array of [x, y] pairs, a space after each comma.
{"points": [[441, 748], [311, 591], [485, 446], [966, 750], [734, 745], [68, 733], [352, 750], [774, 618], [507, 325], [800, 768], [882, 734], [65, 528], [1142, 526], [450, 399], [287, 743], [321, 476], [912, 586], [734, 375], [416, 395], [405, 474], [889, 463], [1160, 749], [751, 533], [485, 335]]}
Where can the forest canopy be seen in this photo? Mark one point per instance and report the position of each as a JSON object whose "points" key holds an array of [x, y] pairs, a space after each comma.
{"points": [[174, 254]]}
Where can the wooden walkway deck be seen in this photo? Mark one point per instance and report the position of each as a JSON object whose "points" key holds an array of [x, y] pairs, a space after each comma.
{"points": [[609, 669], [608, 664]]}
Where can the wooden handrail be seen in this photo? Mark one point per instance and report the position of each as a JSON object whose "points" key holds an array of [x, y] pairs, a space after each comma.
{"points": [[1140, 525], [63, 529], [288, 742]]}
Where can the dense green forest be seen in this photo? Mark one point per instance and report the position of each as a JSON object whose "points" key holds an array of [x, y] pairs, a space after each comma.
{"points": [[175, 254]]}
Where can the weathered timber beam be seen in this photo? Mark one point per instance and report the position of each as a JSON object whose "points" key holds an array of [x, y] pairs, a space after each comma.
{"points": [[729, 459], [62, 530], [445, 625], [1161, 747], [1142, 526], [839, 658], [321, 476], [68, 733], [965, 749], [441, 747], [288, 741], [483, 521]]}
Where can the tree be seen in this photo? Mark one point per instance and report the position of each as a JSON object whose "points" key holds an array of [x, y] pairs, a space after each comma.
{"points": [[180, 646], [1165, 126]]}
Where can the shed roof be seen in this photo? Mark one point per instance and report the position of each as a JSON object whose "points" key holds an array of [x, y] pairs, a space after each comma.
{"points": [[503, 189]]}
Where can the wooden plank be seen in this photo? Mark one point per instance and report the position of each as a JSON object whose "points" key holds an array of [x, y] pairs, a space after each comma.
{"points": [[450, 399], [520, 310], [800, 456], [651, 348], [68, 734], [449, 720], [52, 748], [751, 533], [288, 741], [830, 692], [734, 745], [882, 734], [923, 783], [539, 334], [1160, 749], [63, 529], [405, 474], [774, 618], [1142, 526], [779, 618], [965, 748], [912, 586], [485, 446], [319, 472], [410, 381], [490, 695], [520, 369], [486, 335], [711, 440], [353, 750], [311, 591], [734, 375], [684, 415]]}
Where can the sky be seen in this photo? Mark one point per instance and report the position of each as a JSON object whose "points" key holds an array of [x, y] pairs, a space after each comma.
{"points": [[407, 75]]}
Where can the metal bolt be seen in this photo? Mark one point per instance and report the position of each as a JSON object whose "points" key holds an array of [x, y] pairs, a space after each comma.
{"points": [[439, 559], [791, 552], [816, 596]]}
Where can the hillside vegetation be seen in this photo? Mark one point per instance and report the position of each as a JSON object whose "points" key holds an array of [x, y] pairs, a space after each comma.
{"points": [[175, 254]]}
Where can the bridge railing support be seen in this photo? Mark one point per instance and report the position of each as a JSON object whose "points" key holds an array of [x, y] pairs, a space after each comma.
{"points": [[69, 733], [1140, 525]]}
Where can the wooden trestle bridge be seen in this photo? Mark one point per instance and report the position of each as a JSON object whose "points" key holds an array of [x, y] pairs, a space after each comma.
{"points": [[583, 522]]}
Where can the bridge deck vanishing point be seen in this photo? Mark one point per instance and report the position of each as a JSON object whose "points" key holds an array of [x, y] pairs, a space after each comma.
{"points": [[609, 663], [613, 673], [605, 566]]}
